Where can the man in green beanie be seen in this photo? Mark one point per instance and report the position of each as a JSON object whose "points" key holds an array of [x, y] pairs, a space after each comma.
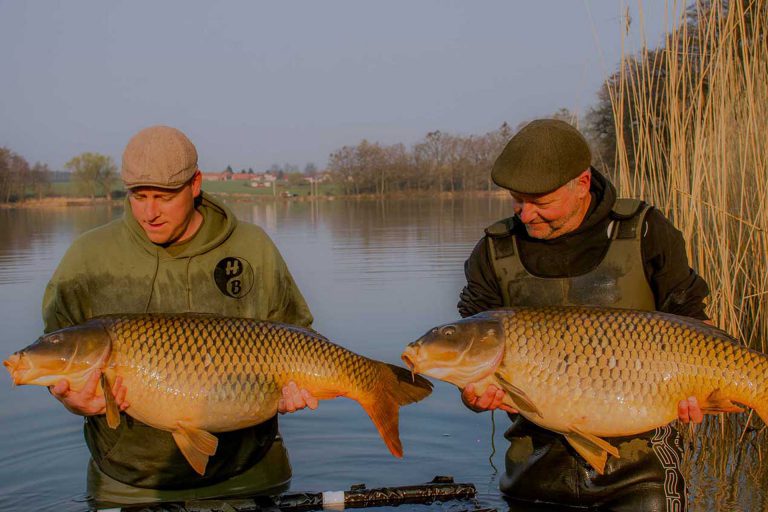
{"points": [[176, 249], [572, 242]]}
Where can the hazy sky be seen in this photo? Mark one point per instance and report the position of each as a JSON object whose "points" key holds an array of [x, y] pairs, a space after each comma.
{"points": [[256, 83]]}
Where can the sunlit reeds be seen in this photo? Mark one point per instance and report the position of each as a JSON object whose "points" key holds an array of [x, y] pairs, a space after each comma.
{"points": [[691, 121], [693, 140]]}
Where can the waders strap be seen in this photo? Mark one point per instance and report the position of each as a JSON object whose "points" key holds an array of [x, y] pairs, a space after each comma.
{"points": [[629, 214]]}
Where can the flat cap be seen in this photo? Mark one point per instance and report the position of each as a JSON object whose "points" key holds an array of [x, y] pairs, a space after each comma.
{"points": [[158, 156], [545, 155]]}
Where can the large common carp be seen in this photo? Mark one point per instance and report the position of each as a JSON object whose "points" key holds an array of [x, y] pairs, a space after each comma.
{"points": [[196, 374], [590, 373]]}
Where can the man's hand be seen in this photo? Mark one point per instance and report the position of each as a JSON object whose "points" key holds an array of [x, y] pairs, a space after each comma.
{"points": [[488, 401], [85, 402], [689, 411], [294, 399]]}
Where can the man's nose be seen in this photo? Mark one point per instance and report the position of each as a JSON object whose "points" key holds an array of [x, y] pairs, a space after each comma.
{"points": [[526, 212], [151, 209]]}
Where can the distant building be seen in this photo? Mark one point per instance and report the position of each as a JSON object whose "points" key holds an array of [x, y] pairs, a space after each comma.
{"points": [[256, 180], [218, 176], [322, 177]]}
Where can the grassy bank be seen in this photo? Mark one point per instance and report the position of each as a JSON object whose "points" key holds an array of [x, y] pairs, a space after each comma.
{"points": [[236, 193]]}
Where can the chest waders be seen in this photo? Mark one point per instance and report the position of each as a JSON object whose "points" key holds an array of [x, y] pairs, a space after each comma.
{"points": [[540, 466]]}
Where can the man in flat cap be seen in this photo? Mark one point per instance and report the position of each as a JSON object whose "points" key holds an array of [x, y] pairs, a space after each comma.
{"points": [[176, 249], [572, 242]]}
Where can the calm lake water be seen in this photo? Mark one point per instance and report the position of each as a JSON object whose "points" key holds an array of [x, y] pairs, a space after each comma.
{"points": [[376, 276]]}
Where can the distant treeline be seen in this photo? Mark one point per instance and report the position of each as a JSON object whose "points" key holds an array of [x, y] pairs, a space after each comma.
{"points": [[92, 174], [440, 162], [18, 179]]}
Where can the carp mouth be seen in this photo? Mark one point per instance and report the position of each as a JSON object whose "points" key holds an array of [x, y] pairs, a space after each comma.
{"points": [[29, 368], [472, 362], [23, 370], [409, 363], [17, 367]]}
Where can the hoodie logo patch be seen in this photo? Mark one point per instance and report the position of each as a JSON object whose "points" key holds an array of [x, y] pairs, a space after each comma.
{"points": [[234, 277]]}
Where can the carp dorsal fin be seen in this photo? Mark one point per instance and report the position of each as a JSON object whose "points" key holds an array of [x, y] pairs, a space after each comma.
{"points": [[519, 398], [594, 449], [716, 402], [196, 445], [113, 411]]}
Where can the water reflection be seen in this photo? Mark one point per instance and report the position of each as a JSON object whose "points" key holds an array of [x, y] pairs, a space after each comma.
{"points": [[377, 275]]}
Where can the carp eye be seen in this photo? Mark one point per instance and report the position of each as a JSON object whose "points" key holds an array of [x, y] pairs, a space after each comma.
{"points": [[449, 330]]}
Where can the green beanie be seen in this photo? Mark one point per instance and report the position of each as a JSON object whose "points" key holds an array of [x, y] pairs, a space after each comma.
{"points": [[545, 155]]}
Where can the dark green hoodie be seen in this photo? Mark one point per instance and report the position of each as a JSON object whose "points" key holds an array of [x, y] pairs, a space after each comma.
{"points": [[228, 268]]}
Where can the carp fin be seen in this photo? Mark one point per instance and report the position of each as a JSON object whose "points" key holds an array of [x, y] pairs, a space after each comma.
{"points": [[518, 396], [716, 402], [394, 388], [195, 444], [113, 411], [323, 394], [594, 449]]}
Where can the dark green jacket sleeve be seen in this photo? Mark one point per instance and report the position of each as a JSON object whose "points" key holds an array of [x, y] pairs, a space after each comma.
{"points": [[677, 287]]}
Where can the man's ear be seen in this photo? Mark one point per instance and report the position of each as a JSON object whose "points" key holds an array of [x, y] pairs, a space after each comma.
{"points": [[197, 183], [583, 182]]}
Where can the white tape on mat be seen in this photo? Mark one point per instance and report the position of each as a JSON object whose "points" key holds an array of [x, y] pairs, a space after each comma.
{"points": [[333, 499]]}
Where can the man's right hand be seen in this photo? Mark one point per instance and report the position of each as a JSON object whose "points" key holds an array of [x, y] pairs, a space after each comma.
{"points": [[492, 399], [85, 402]]}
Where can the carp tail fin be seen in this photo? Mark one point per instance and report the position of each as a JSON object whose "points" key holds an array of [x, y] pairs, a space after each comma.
{"points": [[396, 387], [405, 387]]}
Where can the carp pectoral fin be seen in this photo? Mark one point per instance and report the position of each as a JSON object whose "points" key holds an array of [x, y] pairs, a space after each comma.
{"points": [[518, 396], [322, 394], [594, 449], [197, 445], [113, 411], [716, 402]]}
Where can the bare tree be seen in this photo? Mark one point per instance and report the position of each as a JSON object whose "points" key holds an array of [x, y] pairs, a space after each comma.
{"points": [[5, 172], [17, 177], [40, 180]]}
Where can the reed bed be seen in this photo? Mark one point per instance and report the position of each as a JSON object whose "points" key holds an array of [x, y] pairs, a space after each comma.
{"points": [[691, 120]]}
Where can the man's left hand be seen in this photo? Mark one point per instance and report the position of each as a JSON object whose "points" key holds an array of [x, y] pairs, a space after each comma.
{"points": [[294, 399], [689, 411]]}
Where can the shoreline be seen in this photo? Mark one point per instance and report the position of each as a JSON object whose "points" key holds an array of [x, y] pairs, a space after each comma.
{"points": [[67, 202]]}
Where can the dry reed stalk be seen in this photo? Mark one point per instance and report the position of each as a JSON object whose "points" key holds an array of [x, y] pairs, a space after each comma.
{"points": [[697, 148], [698, 111]]}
